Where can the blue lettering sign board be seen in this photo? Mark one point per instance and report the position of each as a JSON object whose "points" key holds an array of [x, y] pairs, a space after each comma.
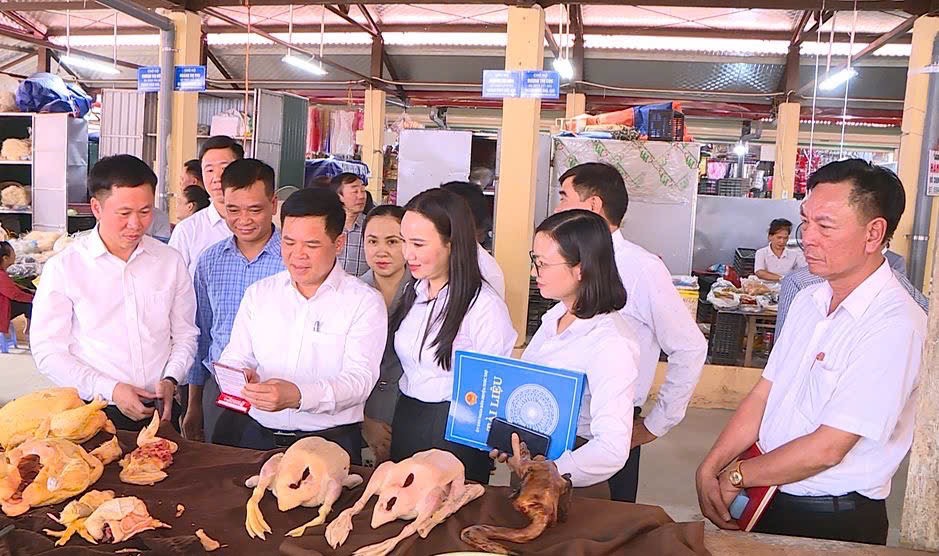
{"points": [[500, 84], [148, 79], [534, 397], [540, 84], [189, 79]]}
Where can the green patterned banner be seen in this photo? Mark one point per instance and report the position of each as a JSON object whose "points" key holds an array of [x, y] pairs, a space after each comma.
{"points": [[654, 172]]}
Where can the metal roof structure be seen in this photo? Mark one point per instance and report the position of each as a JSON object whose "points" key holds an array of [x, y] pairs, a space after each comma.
{"points": [[734, 55]]}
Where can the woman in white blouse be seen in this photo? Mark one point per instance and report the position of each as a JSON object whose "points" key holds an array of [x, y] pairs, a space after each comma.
{"points": [[775, 260], [446, 307], [572, 260]]}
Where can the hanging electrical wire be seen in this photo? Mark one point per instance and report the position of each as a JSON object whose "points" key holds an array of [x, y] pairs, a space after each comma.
{"points": [[244, 140], [818, 40], [847, 85]]}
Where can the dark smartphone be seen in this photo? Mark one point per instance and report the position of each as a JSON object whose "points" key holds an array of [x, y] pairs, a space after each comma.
{"points": [[500, 438]]}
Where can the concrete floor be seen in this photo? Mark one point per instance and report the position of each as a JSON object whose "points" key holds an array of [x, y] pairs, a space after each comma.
{"points": [[667, 467]]}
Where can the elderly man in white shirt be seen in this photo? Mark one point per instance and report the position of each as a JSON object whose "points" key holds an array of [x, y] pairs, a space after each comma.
{"points": [[207, 227], [113, 316], [311, 338], [654, 310], [833, 413]]}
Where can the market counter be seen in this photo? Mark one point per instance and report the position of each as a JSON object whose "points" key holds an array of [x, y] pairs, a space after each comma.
{"points": [[209, 481]]}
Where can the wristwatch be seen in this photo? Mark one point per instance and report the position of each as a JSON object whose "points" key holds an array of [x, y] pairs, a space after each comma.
{"points": [[736, 476]]}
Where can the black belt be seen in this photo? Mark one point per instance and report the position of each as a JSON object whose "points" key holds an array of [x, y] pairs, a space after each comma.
{"points": [[823, 504], [285, 439]]}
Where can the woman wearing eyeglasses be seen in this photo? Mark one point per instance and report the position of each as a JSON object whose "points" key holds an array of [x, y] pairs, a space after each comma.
{"points": [[446, 307], [572, 260]]}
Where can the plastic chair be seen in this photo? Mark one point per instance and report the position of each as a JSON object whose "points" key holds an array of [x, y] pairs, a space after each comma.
{"points": [[8, 340]]}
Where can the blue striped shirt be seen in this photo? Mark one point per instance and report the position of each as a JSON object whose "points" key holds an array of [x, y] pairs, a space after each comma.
{"points": [[798, 280], [222, 276]]}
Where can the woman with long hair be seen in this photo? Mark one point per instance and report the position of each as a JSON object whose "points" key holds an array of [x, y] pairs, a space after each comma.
{"points": [[384, 252], [572, 261], [446, 307]]}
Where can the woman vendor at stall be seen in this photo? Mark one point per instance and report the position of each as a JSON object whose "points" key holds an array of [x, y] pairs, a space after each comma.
{"points": [[14, 301], [572, 261], [775, 260]]}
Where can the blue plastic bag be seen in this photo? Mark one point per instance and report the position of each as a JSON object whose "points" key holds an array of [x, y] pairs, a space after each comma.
{"points": [[45, 92]]}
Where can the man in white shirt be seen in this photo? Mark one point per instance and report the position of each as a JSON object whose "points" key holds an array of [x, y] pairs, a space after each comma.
{"points": [[311, 337], [207, 227], [654, 310], [113, 316], [833, 413], [488, 267]]}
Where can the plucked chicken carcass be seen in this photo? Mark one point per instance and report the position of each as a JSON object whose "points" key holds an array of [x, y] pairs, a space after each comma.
{"points": [[52, 413], [544, 498], [74, 515], [45, 472], [312, 472], [119, 519], [427, 488], [146, 464]]}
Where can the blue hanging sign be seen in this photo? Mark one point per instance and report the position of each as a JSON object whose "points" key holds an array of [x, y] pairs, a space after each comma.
{"points": [[500, 84], [148, 79], [189, 79], [540, 84]]}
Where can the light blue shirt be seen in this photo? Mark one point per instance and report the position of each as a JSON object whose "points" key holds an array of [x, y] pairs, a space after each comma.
{"points": [[222, 276], [799, 279]]}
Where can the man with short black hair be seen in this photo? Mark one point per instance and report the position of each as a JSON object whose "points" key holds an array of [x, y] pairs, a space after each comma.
{"points": [[114, 312], [833, 413], [311, 338], [195, 234], [192, 174], [654, 309], [351, 191], [488, 267], [224, 272]]}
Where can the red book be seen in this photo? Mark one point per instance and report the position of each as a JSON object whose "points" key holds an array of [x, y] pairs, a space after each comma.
{"points": [[760, 497]]}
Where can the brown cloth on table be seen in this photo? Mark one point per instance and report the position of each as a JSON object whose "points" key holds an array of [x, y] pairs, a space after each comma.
{"points": [[209, 481]]}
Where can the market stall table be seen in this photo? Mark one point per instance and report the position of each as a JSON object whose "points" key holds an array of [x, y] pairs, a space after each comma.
{"points": [[757, 322], [208, 481]]}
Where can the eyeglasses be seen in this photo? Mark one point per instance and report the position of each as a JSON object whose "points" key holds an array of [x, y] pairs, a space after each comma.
{"points": [[799, 236], [537, 264]]}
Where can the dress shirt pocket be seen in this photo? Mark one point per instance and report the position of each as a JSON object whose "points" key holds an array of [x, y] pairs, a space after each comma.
{"points": [[819, 388], [157, 306]]}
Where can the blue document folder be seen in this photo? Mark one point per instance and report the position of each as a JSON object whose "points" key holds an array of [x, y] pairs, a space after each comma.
{"points": [[535, 397]]}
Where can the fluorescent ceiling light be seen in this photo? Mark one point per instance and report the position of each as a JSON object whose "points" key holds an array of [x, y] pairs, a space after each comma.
{"points": [[89, 64], [564, 68], [306, 64], [833, 81]]}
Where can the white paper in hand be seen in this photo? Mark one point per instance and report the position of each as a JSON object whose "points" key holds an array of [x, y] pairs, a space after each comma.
{"points": [[231, 382]]}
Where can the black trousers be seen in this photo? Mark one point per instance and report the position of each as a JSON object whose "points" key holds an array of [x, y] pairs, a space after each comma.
{"points": [[125, 423], [625, 484], [242, 431], [18, 308], [420, 426], [851, 517], [211, 412]]}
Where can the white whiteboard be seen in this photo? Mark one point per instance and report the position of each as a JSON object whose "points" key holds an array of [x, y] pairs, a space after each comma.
{"points": [[430, 157]]}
